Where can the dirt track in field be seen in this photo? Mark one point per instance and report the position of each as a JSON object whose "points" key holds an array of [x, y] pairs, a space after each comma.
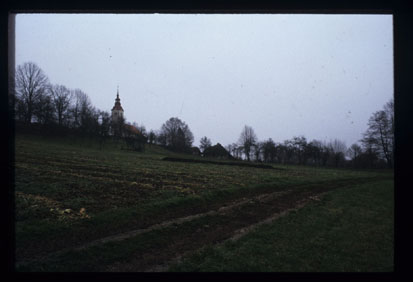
{"points": [[228, 222]]}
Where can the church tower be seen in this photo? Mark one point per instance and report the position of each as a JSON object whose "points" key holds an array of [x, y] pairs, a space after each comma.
{"points": [[117, 110]]}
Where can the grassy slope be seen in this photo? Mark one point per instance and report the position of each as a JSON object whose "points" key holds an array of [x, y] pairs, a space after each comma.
{"points": [[349, 230], [122, 190]]}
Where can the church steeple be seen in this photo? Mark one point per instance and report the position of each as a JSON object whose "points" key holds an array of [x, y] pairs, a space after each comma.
{"points": [[117, 110], [117, 105]]}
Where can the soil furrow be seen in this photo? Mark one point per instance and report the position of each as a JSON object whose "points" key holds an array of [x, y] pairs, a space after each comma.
{"points": [[231, 225], [177, 221], [238, 217], [237, 234], [126, 235]]}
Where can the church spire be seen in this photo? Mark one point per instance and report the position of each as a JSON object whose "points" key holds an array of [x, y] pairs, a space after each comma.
{"points": [[117, 102]]}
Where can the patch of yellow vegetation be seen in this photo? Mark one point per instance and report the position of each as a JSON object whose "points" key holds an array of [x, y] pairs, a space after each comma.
{"points": [[55, 207], [50, 203], [147, 185]]}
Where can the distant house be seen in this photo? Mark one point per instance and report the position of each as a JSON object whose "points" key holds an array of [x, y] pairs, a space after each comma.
{"points": [[132, 130], [196, 151], [217, 151]]}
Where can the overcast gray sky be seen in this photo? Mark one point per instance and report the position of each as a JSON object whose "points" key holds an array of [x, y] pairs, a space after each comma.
{"points": [[320, 76]]}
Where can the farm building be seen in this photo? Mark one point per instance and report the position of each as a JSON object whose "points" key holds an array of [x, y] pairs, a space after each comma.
{"points": [[217, 151]]}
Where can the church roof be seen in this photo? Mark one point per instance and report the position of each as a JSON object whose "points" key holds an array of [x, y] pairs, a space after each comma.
{"points": [[131, 128], [117, 105]]}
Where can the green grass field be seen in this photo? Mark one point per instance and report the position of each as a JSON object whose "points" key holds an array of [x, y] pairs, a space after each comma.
{"points": [[79, 208], [348, 230]]}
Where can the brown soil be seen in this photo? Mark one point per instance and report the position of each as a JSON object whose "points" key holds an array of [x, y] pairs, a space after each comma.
{"points": [[228, 222], [234, 222]]}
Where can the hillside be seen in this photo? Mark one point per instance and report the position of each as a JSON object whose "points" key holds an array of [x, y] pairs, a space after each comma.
{"points": [[82, 208]]}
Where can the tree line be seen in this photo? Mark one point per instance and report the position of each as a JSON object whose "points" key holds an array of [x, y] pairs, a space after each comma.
{"points": [[375, 150], [60, 109], [36, 100]]}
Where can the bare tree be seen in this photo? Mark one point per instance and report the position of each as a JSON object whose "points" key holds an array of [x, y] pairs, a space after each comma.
{"points": [[205, 142], [269, 150], [288, 151], [229, 148], [31, 85], [84, 115], [44, 110], [338, 150], [299, 144], [258, 150], [80, 105], [313, 152], [380, 133], [61, 97], [354, 152], [176, 135], [247, 139], [238, 152], [326, 152], [235, 150], [104, 127], [389, 110], [151, 136]]}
